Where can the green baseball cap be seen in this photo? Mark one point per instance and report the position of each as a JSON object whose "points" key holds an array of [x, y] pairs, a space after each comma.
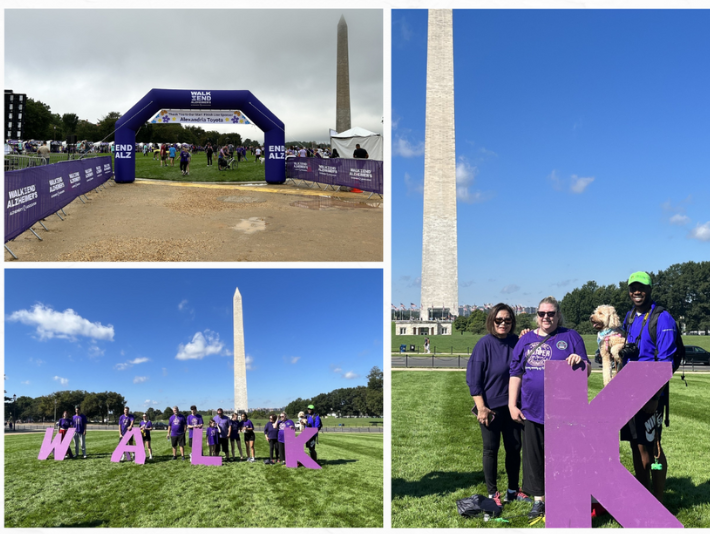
{"points": [[311, 407], [641, 277]]}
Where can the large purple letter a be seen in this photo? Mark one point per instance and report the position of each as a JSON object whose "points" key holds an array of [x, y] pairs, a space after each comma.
{"points": [[582, 447]]}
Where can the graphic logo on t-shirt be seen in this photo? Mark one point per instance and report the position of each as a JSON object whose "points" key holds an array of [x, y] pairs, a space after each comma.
{"points": [[562, 345], [542, 353]]}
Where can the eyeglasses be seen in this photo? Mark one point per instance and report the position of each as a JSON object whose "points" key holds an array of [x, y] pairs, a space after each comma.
{"points": [[506, 320], [549, 314]]}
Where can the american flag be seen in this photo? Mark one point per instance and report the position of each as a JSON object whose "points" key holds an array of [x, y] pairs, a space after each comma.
{"points": [[394, 307], [402, 306], [413, 306]]}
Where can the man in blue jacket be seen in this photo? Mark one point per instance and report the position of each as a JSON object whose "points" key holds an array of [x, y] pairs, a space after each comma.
{"points": [[313, 421], [644, 429]]}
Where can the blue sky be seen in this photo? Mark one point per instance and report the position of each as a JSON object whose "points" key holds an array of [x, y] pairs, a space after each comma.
{"points": [[582, 147], [306, 332]]}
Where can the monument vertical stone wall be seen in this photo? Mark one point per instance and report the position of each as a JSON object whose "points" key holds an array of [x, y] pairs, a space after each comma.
{"points": [[240, 364], [439, 246], [342, 97]]}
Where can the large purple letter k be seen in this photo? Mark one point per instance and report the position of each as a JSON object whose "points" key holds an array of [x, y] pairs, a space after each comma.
{"points": [[582, 447], [294, 447]]}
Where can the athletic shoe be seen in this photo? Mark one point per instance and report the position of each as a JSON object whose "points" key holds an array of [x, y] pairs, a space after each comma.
{"points": [[149, 458], [516, 496], [122, 458], [190, 455], [174, 457], [496, 498], [85, 457], [538, 510], [598, 510], [183, 458]]}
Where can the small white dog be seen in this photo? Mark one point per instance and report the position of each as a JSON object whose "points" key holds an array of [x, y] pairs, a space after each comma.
{"points": [[610, 339], [301, 421]]}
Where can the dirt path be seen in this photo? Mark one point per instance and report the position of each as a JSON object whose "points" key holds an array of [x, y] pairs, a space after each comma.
{"points": [[158, 221]]}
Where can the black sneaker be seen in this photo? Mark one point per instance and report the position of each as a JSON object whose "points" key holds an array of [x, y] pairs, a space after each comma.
{"points": [[174, 457], [538, 510], [512, 496]]}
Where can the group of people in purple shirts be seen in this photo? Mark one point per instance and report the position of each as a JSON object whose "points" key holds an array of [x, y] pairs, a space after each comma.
{"points": [[505, 376], [220, 432]]}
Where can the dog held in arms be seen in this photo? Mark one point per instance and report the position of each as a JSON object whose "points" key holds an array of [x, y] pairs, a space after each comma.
{"points": [[610, 339]]}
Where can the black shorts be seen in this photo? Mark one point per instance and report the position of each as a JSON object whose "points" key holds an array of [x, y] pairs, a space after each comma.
{"points": [[249, 437], [644, 427], [178, 440], [234, 438], [146, 438]]}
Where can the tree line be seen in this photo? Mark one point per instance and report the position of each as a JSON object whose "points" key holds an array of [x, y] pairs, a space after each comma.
{"points": [[42, 124], [359, 401], [683, 289]]}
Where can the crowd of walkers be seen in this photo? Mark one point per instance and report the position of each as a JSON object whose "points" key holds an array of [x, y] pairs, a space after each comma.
{"points": [[221, 431], [505, 375]]}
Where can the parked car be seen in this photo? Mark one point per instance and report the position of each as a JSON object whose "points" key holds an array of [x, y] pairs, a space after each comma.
{"points": [[695, 354], [160, 426]]}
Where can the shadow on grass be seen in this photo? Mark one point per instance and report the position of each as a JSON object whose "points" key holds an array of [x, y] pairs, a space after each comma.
{"points": [[85, 524], [681, 494], [436, 483]]}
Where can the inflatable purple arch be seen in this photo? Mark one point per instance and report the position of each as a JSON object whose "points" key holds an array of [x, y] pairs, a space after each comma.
{"points": [[157, 99]]}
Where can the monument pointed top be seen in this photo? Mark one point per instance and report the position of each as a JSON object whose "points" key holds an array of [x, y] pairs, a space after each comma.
{"points": [[237, 293], [342, 20]]}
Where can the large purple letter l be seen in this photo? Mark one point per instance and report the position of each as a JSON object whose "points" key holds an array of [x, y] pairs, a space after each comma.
{"points": [[582, 447]]}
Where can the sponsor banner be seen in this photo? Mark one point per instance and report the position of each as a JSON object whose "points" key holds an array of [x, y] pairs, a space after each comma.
{"points": [[363, 174], [36, 192], [199, 116]]}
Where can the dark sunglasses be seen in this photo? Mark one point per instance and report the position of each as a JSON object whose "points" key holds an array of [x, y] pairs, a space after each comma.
{"points": [[549, 314], [506, 320]]}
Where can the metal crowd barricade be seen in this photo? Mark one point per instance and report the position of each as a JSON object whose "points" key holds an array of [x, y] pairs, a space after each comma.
{"points": [[16, 163]]}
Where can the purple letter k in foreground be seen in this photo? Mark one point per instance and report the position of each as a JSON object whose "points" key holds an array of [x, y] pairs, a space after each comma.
{"points": [[294, 447], [582, 447]]}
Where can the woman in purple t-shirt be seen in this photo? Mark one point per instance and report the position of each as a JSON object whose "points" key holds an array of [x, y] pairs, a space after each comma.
{"points": [[527, 373]]}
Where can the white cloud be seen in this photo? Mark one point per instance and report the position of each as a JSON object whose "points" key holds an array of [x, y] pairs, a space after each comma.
{"points": [[62, 381], [413, 186], [465, 176], [182, 305], [679, 219], [25, 382], [165, 371], [579, 184], [294, 359], [351, 375], [701, 232], [249, 362], [202, 345], [36, 362], [338, 370], [403, 147], [130, 363], [65, 325], [95, 351], [140, 379]]}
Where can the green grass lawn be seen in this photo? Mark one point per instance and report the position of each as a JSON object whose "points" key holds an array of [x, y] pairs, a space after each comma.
{"points": [[437, 449], [347, 492], [249, 171], [464, 344]]}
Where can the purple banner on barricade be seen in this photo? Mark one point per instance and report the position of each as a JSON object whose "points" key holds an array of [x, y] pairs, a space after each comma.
{"points": [[363, 174], [36, 192]]}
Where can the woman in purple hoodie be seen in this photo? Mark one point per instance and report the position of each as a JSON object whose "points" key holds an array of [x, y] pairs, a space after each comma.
{"points": [[284, 422], [488, 376]]}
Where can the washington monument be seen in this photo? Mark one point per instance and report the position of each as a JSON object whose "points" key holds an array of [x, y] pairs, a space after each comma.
{"points": [[342, 89], [240, 365], [439, 248]]}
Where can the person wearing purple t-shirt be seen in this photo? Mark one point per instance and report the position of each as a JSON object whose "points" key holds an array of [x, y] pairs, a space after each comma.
{"points": [[212, 438], [146, 426], [64, 424], [488, 376], [223, 432], [235, 427], [194, 420], [125, 424], [79, 423], [284, 422], [177, 425], [271, 433], [249, 437], [527, 373]]}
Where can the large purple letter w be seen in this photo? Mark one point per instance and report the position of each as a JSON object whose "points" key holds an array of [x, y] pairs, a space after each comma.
{"points": [[582, 447]]}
